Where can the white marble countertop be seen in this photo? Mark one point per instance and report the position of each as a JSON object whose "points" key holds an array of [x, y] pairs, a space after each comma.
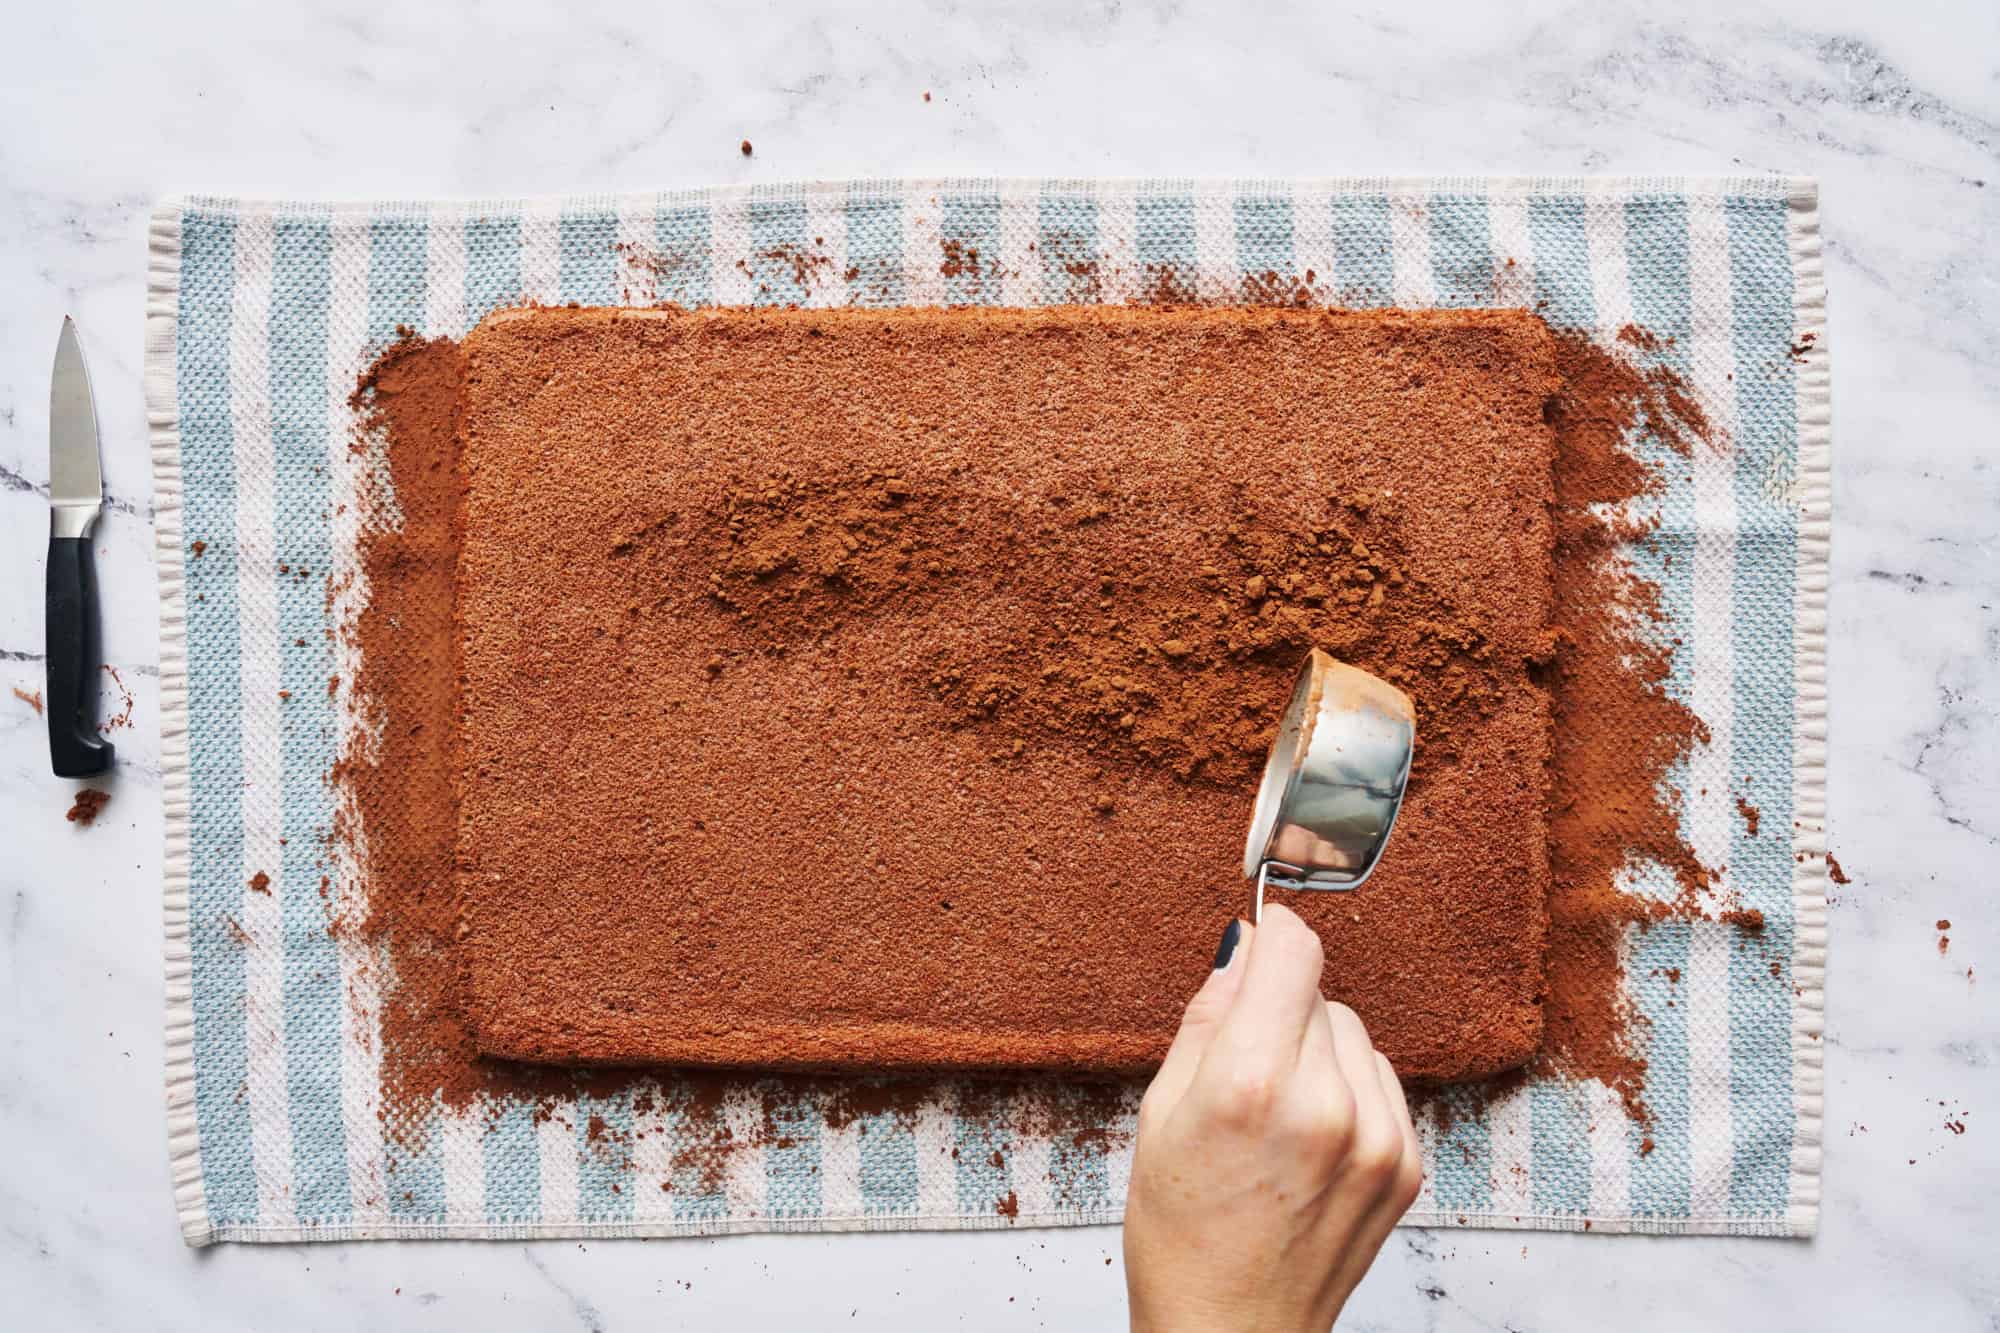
{"points": [[1897, 111]]}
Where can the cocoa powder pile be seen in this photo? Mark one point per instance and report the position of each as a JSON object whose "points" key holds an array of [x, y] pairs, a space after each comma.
{"points": [[887, 691]]}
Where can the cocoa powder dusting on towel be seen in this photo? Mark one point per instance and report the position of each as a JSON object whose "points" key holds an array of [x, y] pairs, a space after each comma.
{"points": [[403, 814], [1618, 732]]}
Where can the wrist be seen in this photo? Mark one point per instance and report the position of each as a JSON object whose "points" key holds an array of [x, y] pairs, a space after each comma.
{"points": [[1194, 1314]]}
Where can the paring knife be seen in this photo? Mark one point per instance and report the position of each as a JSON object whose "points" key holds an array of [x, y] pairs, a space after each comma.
{"points": [[76, 497]]}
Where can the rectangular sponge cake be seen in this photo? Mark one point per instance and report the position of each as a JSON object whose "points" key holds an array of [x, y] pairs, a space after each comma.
{"points": [[887, 690]]}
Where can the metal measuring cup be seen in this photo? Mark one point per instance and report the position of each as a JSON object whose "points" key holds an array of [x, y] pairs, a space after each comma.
{"points": [[1333, 782]]}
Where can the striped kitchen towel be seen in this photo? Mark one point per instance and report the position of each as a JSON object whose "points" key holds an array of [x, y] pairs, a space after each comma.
{"points": [[261, 315]]}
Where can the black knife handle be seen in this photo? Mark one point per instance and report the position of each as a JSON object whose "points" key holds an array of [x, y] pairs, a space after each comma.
{"points": [[74, 745]]}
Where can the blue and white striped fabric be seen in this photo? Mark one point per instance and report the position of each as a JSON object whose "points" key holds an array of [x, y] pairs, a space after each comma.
{"points": [[261, 315]]}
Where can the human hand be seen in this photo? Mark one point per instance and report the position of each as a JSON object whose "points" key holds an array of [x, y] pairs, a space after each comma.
{"points": [[1275, 1149]]}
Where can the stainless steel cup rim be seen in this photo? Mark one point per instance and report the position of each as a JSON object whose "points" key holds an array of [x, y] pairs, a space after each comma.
{"points": [[1333, 782]]}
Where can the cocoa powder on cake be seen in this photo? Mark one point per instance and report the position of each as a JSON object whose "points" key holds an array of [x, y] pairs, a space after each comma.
{"points": [[1605, 678], [400, 814], [862, 690]]}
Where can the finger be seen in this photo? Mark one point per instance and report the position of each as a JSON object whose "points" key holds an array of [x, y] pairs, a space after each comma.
{"points": [[1403, 1188], [1279, 995], [1411, 1181], [1399, 1102], [1355, 1054], [1381, 1156], [1369, 1237], [1322, 1105], [1382, 1217], [1394, 1196], [1203, 1015]]}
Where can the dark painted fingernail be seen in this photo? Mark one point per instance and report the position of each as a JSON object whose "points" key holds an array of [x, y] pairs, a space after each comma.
{"points": [[1227, 949]]}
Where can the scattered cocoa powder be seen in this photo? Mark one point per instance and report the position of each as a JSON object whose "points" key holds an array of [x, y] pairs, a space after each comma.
{"points": [[123, 717], [1643, 339], [1750, 815], [961, 260], [939, 609], [809, 266], [1273, 288], [89, 803], [648, 266], [33, 700], [1167, 285]]}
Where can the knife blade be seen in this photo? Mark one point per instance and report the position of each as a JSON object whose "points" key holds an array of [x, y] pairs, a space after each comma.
{"points": [[76, 497]]}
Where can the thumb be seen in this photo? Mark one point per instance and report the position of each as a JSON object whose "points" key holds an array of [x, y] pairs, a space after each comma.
{"points": [[1203, 1016]]}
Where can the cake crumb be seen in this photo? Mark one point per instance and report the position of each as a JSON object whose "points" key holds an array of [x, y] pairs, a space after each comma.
{"points": [[88, 804], [1751, 815], [1749, 918]]}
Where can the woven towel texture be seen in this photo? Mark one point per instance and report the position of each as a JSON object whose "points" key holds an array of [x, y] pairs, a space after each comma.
{"points": [[260, 317]]}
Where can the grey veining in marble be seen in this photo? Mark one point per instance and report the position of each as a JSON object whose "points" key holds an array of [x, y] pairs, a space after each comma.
{"points": [[1895, 108]]}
